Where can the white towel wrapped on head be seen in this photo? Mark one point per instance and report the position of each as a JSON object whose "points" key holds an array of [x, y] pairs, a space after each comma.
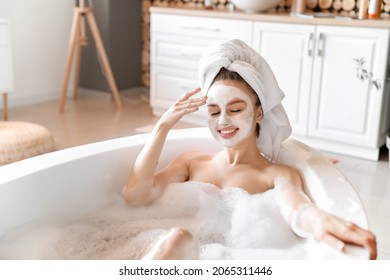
{"points": [[237, 56]]}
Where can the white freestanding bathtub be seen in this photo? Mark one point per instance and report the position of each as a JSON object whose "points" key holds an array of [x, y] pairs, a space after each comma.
{"points": [[76, 180]]}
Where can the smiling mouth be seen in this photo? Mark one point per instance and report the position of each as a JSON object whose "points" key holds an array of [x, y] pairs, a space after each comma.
{"points": [[228, 133]]}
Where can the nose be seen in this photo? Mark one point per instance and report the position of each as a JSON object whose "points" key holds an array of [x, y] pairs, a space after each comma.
{"points": [[223, 119]]}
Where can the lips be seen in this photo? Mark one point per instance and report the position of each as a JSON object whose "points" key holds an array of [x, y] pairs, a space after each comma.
{"points": [[228, 133]]}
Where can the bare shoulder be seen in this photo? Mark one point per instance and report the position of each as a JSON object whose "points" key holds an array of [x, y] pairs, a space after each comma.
{"points": [[178, 170], [195, 155], [191, 156], [287, 172]]}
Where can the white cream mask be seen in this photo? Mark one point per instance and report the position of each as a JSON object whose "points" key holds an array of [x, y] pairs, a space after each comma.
{"points": [[227, 126]]}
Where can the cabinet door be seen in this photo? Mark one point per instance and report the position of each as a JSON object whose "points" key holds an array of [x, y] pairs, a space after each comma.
{"points": [[288, 49], [343, 107]]}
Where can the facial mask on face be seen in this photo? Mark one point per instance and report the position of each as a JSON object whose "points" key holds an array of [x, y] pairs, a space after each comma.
{"points": [[229, 128]]}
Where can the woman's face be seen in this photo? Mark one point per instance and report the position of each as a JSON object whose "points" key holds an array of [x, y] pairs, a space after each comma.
{"points": [[231, 111]]}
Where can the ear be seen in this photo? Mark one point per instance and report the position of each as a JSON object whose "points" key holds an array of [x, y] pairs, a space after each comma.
{"points": [[259, 114]]}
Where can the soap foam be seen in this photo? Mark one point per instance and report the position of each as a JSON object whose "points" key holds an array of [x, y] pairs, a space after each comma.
{"points": [[229, 224]]}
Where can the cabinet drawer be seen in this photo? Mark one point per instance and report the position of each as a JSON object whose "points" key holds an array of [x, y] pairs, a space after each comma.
{"points": [[172, 50], [214, 28], [169, 84]]}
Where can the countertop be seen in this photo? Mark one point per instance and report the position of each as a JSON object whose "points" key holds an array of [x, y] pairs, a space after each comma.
{"points": [[274, 17]]}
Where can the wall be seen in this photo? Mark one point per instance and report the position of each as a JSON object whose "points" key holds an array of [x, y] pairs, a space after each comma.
{"points": [[126, 42], [40, 32], [119, 23]]}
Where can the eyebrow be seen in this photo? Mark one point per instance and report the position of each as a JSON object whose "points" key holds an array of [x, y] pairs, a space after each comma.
{"points": [[229, 104], [236, 101]]}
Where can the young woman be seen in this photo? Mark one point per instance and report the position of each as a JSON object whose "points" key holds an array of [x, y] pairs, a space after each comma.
{"points": [[234, 115]]}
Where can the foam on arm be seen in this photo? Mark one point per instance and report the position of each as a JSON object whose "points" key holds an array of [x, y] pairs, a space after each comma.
{"points": [[293, 204]]}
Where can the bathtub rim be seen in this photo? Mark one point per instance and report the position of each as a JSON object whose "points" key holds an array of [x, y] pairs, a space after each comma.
{"points": [[13, 171]]}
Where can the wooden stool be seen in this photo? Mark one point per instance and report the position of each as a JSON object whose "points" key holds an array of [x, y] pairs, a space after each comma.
{"points": [[21, 140], [77, 40]]}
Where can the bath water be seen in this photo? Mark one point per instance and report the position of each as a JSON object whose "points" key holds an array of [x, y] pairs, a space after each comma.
{"points": [[229, 224]]}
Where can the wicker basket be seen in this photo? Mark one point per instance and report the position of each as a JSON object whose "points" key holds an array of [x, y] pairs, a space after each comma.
{"points": [[21, 140]]}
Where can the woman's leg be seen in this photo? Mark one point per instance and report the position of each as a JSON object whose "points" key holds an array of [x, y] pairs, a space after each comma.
{"points": [[177, 244]]}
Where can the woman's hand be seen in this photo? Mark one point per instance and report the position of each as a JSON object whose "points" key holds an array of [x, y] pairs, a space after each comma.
{"points": [[336, 232], [183, 106]]}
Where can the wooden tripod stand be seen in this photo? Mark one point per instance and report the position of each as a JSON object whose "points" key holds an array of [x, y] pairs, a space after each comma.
{"points": [[79, 39]]}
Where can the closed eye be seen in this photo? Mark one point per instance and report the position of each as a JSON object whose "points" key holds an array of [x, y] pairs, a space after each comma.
{"points": [[213, 110]]}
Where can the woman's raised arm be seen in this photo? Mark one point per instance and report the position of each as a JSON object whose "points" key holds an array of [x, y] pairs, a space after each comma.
{"points": [[141, 185]]}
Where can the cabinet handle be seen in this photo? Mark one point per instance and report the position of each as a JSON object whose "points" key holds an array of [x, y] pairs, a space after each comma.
{"points": [[320, 50], [310, 44], [200, 28]]}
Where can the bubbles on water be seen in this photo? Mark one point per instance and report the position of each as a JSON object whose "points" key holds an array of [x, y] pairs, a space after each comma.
{"points": [[229, 224]]}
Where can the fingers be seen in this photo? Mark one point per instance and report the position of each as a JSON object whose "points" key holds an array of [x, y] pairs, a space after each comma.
{"points": [[188, 94], [183, 106], [190, 104], [186, 104], [337, 232], [351, 233], [333, 241], [367, 242]]}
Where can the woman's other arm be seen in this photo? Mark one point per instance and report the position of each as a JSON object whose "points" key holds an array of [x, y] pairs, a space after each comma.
{"points": [[305, 218]]}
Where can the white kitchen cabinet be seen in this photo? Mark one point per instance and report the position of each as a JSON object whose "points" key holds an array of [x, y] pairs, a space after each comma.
{"points": [[328, 105]]}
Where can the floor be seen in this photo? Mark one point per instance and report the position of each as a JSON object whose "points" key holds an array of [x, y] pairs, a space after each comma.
{"points": [[371, 180], [95, 117]]}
